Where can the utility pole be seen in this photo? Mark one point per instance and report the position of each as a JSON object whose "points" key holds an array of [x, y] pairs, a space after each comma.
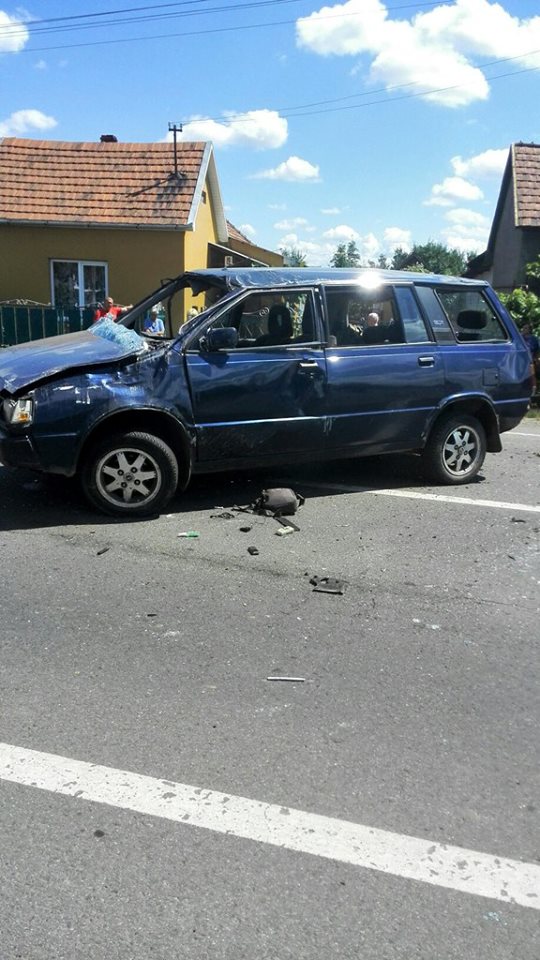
{"points": [[175, 128]]}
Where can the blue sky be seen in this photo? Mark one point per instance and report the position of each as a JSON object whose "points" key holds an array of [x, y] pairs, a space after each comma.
{"points": [[386, 124]]}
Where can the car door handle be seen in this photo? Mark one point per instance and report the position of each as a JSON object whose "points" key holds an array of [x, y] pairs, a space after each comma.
{"points": [[426, 361], [309, 368]]}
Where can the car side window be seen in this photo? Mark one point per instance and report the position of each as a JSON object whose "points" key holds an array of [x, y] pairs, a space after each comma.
{"points": [[272, 319], [471, 316], [414, 326], [362, 318]]}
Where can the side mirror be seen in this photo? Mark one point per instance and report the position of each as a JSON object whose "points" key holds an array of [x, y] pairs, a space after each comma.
{"points": [[220, 338]]}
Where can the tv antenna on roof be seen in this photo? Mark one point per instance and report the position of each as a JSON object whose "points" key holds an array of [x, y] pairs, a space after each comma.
{"points": [[175, 128]]}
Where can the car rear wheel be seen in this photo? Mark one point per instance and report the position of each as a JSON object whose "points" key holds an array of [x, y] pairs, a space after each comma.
{"points": [[455, 450], [130, 475]]}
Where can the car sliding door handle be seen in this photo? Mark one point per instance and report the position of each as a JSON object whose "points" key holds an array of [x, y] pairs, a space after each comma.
{"points": [[426, 361]]}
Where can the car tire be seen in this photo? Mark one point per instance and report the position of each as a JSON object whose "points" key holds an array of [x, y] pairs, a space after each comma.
{"points": [[130, 475], [455, 450]]}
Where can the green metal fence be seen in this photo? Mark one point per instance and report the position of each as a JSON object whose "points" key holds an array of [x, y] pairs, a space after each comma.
{"points": [[18, 324]]}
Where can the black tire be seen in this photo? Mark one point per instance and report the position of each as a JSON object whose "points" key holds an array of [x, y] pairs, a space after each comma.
{"points": [[455, 450], [130, 475]]}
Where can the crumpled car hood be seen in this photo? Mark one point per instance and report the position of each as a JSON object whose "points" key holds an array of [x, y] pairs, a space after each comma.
{"points": [[27, 364]]}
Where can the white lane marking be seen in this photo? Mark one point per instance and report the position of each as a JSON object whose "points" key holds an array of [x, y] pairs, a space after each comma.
{"points": [[442, 865], [515, 433], [414, 495]]}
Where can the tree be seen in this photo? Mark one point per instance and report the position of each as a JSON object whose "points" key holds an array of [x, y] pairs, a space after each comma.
{"points": [[431, 257], [346, 255], [524, 303], [293, 257]]}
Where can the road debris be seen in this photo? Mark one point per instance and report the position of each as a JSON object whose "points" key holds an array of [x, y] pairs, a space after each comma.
{"points": [[285, 531], [190, 534], [253, 551], [225, 515], [245, 529], [102, 551], [289, 679], [328, 585]]}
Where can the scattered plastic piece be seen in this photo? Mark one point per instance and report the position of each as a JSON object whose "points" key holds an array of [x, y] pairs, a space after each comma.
{"points": [[245, 529], [103, 550], [222, 516], [253, 551], [517, 520], [328, 585], [287, 523], [190, 534], [289, 679], [284, 531]]}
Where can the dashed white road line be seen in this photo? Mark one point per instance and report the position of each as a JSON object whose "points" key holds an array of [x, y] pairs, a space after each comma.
{"points": [[416, 495], [441, 865]]}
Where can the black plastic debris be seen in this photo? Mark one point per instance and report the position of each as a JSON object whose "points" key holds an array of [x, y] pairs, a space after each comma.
{"points": [[102, 551], [253, 551], [222, 516], [245, 529], [517, 520], [328, 585]]}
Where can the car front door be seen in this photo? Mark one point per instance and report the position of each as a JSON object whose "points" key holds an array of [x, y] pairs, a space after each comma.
{"points": [[265, 398], [385, 372]]}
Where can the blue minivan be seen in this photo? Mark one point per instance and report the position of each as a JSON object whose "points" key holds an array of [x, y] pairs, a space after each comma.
{"points": [[281, 365]]}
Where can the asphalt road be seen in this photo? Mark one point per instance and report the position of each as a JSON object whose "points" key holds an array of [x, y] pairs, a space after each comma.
{"points": [[125, 646]]}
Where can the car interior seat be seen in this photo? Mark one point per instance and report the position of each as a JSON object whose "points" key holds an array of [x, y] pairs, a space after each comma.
{"points": [[469, 322], [280, 327]]}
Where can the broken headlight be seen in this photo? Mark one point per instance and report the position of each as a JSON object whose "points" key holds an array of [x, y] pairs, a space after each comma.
{"points": [[18, 411]]}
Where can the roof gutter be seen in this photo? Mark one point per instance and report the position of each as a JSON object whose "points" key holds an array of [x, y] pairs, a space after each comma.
{"points": [[91, 225]]}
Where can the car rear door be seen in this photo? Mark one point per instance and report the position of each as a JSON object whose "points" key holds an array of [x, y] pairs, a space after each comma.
{"points": [[385, 380], [265, 398]]}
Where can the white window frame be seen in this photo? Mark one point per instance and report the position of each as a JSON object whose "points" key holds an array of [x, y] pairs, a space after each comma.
{"points": [[81, 264]]}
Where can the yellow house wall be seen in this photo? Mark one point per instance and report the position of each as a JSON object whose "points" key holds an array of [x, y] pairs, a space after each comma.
{"points": [[137, 261], [196, 251]]}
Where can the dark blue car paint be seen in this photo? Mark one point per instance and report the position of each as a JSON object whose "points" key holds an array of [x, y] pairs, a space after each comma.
{"points": [[259, 405]]}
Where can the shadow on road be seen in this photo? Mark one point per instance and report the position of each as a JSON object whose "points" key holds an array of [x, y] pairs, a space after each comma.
{"points": [[29, 501]]}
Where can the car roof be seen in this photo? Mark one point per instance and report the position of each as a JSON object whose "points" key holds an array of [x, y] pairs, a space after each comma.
{"points": [[311, 276]]}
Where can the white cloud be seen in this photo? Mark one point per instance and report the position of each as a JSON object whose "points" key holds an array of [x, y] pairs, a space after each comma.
{"points": [[342, 233], [490, 163], [292, 224], [23, 121], [466, 230], [40, 65], [13, 33], [247, 229], [434, 50], [396, 237], [467, 219], [369, 247], [260, 129], [452, 190], [293, 169], [316, 254]]}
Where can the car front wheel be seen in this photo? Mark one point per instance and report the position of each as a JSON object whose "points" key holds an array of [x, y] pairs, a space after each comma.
{"points": [[130, 475], [455, 450]]}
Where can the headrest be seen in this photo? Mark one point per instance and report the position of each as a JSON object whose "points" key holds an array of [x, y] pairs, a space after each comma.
{"points": [[279, 321], [471, 320]]}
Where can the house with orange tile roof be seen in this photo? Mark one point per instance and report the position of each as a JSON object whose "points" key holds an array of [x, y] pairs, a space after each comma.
{"points": [[81, 221], [514, 239]]}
